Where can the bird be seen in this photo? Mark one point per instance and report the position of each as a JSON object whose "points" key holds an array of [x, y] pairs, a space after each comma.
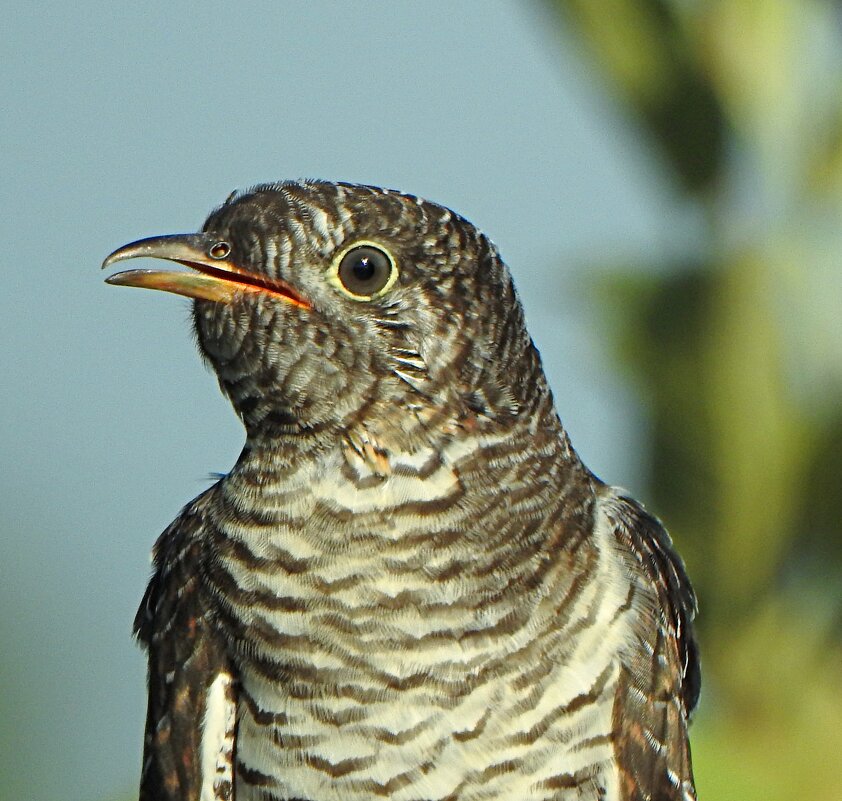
{"points": [[409, 586]]}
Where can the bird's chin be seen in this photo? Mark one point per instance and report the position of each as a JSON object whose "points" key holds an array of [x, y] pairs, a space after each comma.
{"points": [[223, 328], [234, 336]]}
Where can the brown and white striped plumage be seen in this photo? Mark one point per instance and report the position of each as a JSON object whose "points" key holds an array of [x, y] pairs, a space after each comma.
{"points": [[409, 587]]}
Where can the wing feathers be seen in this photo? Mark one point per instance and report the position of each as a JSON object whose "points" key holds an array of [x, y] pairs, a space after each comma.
{"points": [[659, 686], [190, 684]]}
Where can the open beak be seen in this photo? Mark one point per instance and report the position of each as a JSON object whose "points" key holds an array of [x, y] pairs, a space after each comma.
{"points": [[217, 278]]}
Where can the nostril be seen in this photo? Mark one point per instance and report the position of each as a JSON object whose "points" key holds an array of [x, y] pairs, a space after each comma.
{"points": [[219, 250]]}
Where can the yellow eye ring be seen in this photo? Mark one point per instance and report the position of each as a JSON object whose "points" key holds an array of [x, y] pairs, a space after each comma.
{"points": [[363, 271]]}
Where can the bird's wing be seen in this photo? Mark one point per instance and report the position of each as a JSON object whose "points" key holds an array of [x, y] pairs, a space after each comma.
{"points": [[660, 679], [188, 745]]}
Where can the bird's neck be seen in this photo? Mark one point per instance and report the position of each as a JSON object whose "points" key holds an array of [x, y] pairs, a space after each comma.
{"points": [[380, 464], [443, 419]]}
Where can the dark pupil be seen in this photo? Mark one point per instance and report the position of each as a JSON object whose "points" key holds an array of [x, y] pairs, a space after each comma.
{"points": [[364, 268]]}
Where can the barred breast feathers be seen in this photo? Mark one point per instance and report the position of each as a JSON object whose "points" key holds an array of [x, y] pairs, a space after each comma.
{"points": [[382, 591]]}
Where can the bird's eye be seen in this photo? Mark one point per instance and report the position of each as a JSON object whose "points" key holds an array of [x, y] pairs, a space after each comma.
{"points": [[219, 250], [364, 271]]}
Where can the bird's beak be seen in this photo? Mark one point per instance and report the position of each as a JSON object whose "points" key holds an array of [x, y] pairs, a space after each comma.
{"points": [[217, 278]]}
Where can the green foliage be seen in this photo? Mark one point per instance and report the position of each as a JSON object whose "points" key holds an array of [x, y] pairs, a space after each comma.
{"points": [[738, 350]]}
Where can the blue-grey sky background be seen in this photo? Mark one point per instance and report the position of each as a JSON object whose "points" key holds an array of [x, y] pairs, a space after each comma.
{"points": [[126, 120]]}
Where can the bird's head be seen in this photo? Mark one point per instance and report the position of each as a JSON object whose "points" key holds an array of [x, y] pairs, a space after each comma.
{"points": [[325, 304]]}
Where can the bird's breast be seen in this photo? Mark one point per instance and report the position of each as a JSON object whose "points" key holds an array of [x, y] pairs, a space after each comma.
{"points": [[401, 634]]}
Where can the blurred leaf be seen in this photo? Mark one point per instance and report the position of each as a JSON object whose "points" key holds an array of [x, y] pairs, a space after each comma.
{"points": [[644, 51]]}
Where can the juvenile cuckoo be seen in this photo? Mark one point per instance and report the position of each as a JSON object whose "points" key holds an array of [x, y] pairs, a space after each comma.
{"points": [[408, 587]]}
